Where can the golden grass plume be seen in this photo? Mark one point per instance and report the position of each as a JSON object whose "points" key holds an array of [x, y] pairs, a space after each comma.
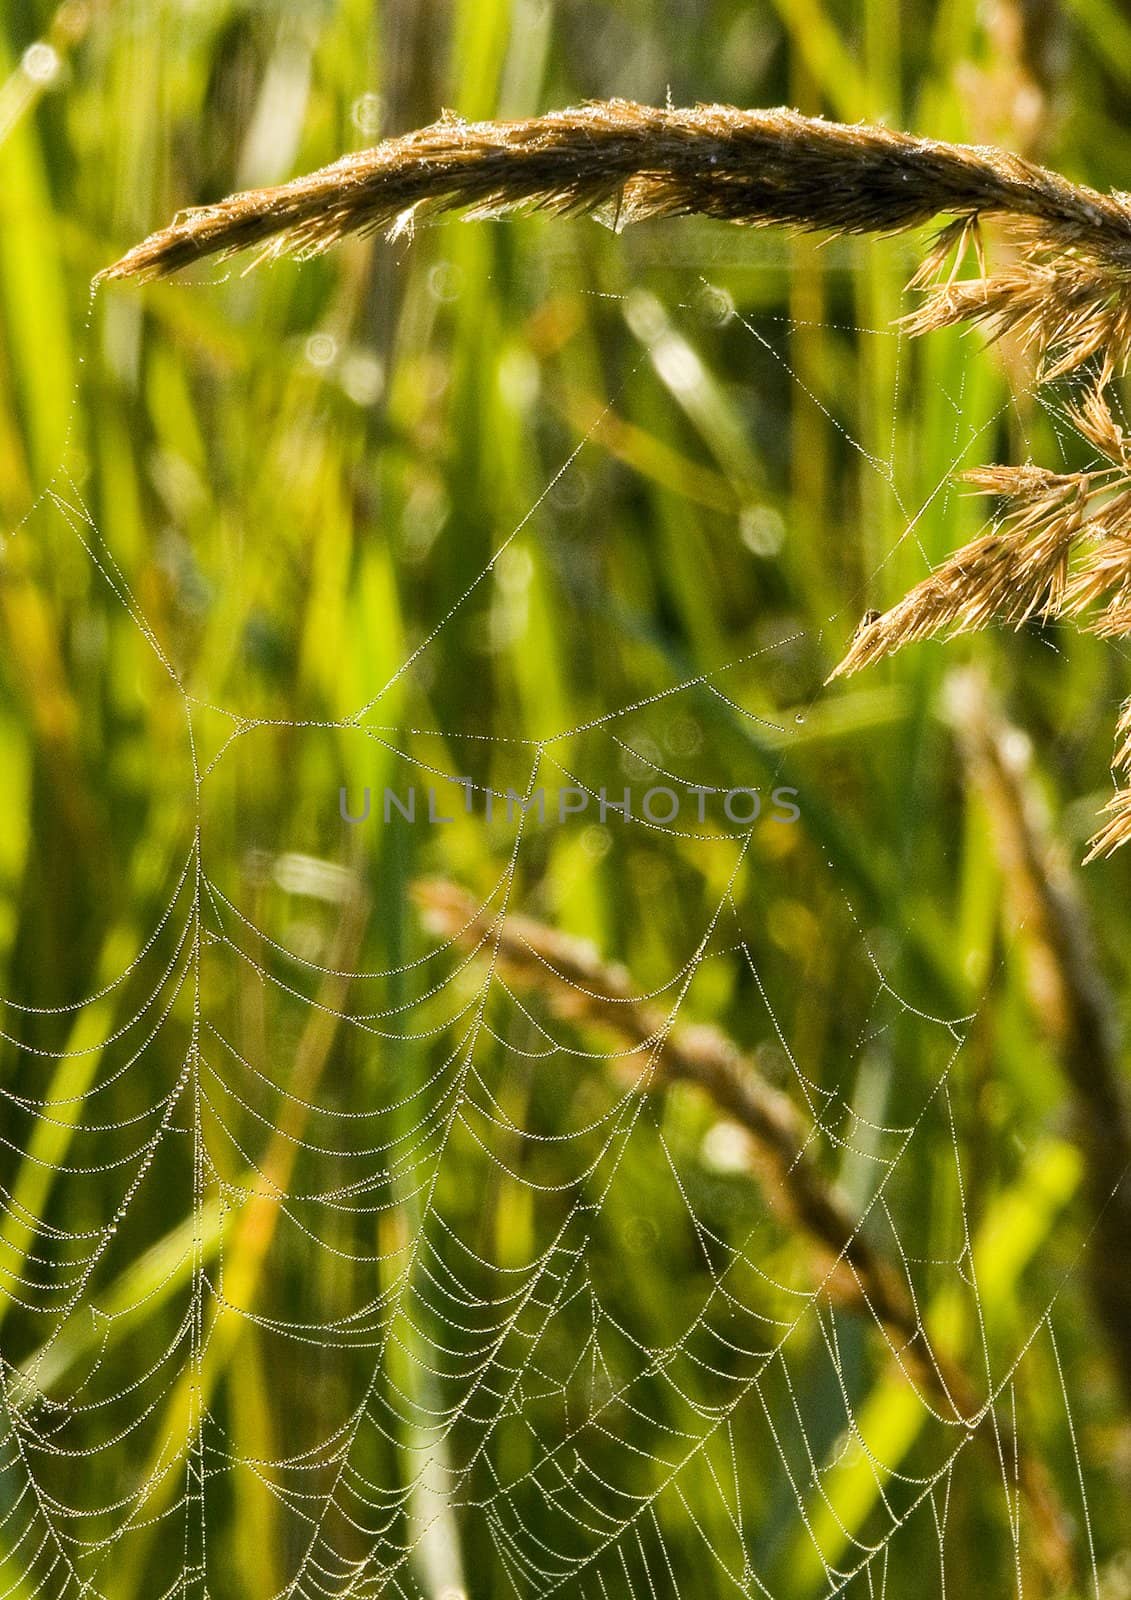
{"points": [[1061, 544], [627, 162], [1060, 547]]}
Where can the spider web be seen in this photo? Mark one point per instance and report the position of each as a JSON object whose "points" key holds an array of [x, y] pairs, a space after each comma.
{"points": [[548, 1392]]}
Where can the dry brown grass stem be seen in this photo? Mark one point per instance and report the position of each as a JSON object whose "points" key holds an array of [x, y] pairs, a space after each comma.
{"points": [[1065, 293], [580, 988], [1063, 542], [1067, 988]]}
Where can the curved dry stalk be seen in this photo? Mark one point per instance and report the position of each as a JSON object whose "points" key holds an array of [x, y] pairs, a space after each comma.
{"points": [[579, 987], [1068, 991], [627, 162], [1066, 293]]}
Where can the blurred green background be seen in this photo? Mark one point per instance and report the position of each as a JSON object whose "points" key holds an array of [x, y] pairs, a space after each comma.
{"points": [[491, 1324]]}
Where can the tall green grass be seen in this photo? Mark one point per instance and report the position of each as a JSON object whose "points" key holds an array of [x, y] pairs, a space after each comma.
{"points": [[299, 472]]}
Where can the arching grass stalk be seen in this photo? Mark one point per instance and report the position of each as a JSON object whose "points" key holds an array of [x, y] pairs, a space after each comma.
{"points": [[1061, 545]]}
